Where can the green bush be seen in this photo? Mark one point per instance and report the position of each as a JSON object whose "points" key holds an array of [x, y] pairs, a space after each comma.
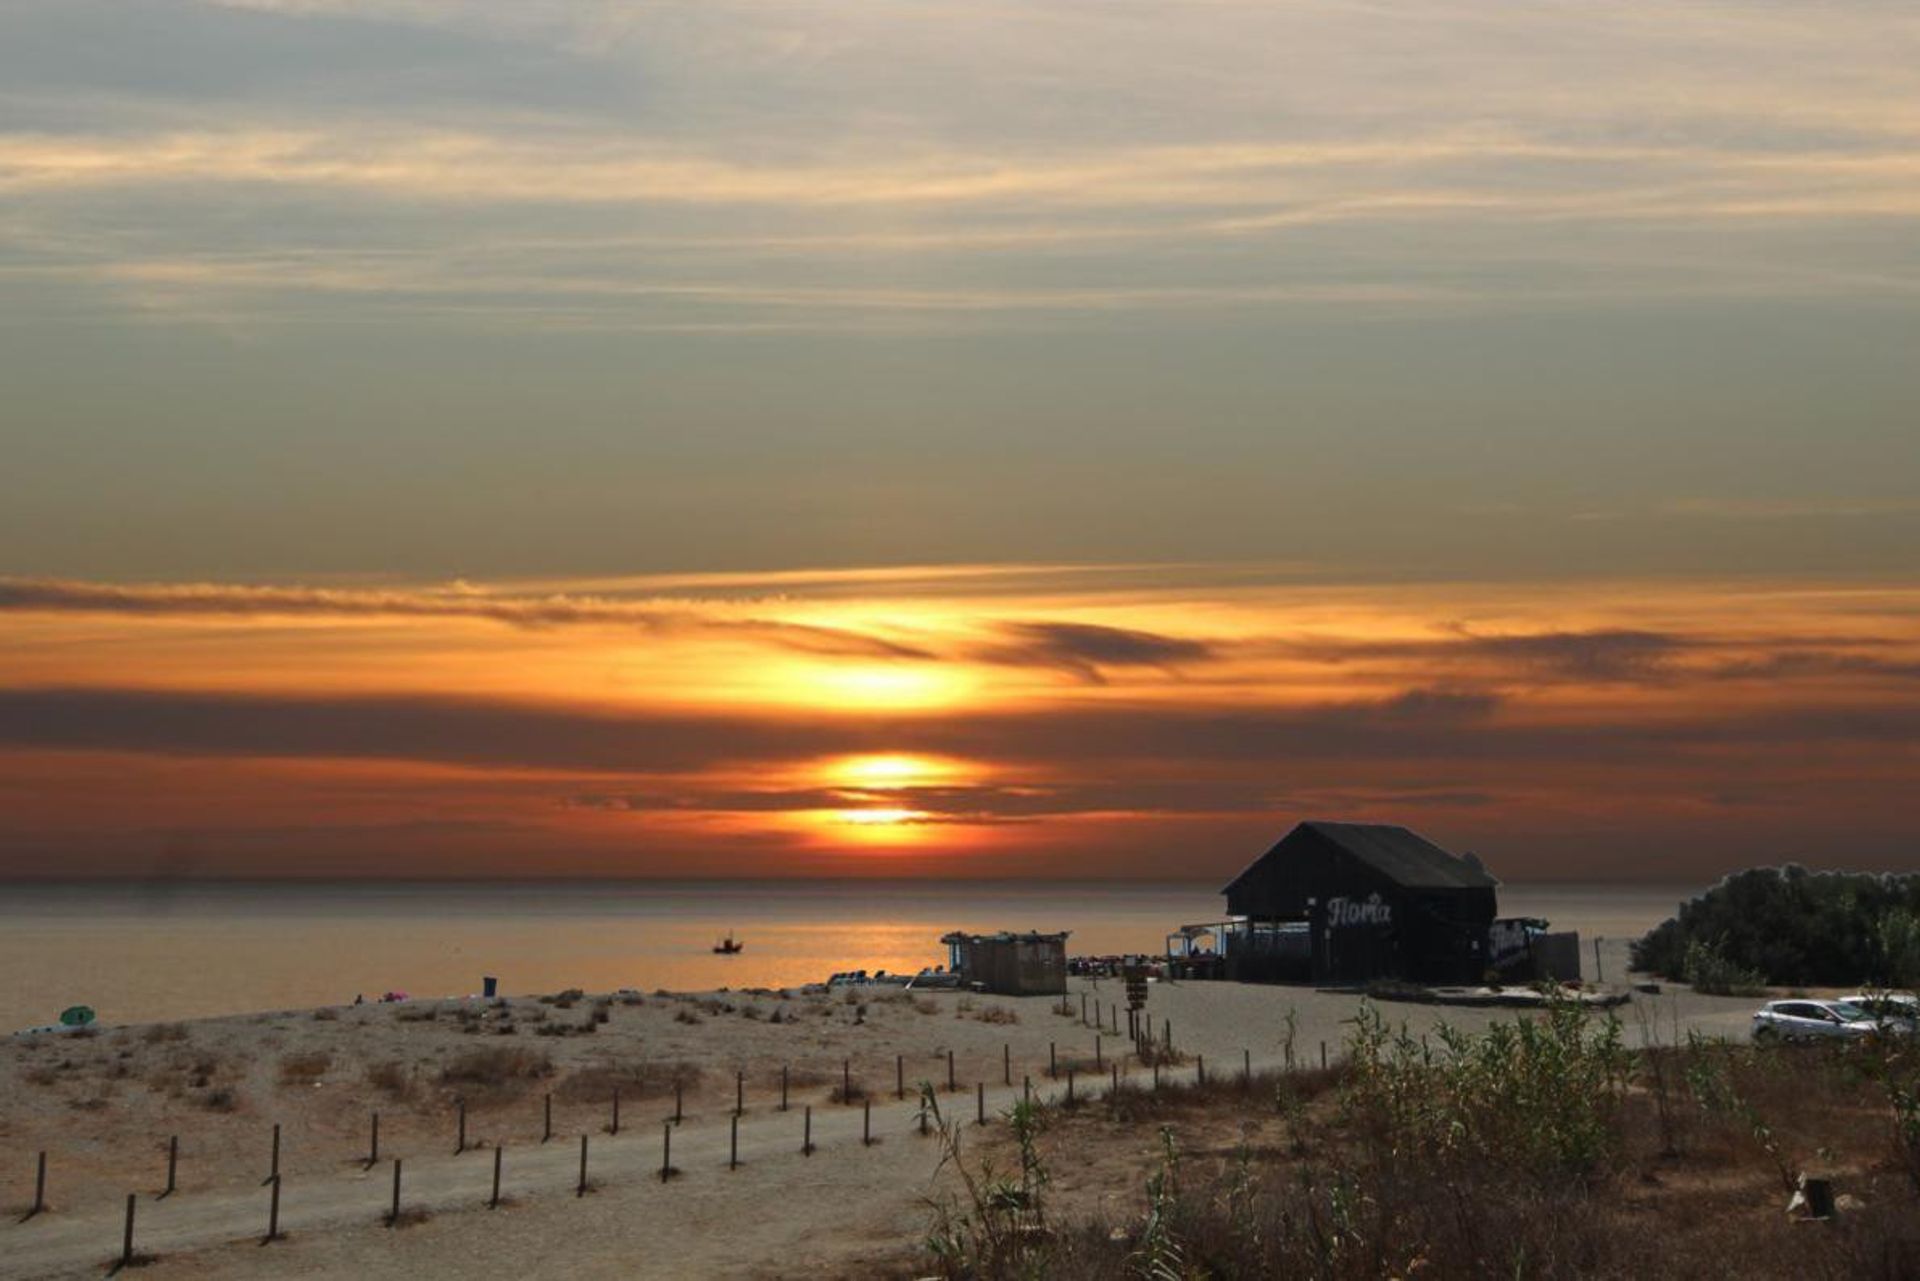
{"points": [[1710, 972], [1787, 926], [1534, 1094]]}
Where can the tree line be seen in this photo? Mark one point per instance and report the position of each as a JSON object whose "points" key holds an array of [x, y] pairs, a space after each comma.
{"points": [[1791, 926]]}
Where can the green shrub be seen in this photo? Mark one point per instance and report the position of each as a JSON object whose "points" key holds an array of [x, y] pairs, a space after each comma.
{"points": [[1710, 972]]}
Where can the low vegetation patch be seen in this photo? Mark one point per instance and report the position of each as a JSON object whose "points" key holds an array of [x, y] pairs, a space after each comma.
{"points": [[397, 1080], [496, 1073], [634, 1078], [304, 1069], [1542, 1147]]}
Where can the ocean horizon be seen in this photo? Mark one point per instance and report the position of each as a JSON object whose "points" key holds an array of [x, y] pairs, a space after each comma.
{"points": [[140, 952]]}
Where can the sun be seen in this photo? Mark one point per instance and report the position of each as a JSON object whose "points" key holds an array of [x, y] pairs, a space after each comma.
{"points": [[880, 817], [882, 771]]}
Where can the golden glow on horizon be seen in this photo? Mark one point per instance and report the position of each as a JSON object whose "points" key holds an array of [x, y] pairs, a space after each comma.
{"points": [[882, 826], [1040, 720], [883, 687], [894, 770]]}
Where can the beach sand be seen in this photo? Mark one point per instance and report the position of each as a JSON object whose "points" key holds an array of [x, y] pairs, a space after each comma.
{"points": [[104, 1106]]}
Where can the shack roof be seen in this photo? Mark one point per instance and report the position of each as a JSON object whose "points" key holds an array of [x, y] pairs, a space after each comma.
{"points": [[1005, 936], [1402, 856]]}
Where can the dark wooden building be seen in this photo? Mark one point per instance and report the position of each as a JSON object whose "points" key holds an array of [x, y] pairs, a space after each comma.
{"points": [[1352, 902]]}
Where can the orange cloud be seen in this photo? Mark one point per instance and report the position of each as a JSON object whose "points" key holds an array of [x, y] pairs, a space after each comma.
{"points": [[1001, 724]]}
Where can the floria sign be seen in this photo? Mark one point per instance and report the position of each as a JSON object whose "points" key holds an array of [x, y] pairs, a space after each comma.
{"points": [[1344, 912]]}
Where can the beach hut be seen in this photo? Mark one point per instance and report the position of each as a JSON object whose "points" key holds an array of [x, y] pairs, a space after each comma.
{"points": [[1355, 902], [1010, 964]]}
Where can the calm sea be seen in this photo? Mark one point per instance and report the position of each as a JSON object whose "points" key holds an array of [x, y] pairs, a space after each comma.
{"points": [[139, 954]]}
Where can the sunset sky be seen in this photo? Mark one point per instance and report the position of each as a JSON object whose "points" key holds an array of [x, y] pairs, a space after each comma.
{"points": [[599, 438]]}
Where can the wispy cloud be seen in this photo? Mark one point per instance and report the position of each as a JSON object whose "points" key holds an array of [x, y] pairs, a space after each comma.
{"points": [[455, 602]]}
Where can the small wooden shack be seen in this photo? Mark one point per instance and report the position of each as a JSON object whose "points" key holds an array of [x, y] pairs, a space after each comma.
{"points": [[1010, 964]]}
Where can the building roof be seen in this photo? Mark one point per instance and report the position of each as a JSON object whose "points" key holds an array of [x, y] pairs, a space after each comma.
{"points": [[1401, 856], [1005, 936]]}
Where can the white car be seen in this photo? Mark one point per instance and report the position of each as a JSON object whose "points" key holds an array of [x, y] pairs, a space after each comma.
{"points": [[1900, 1011], [1811, 1020]]}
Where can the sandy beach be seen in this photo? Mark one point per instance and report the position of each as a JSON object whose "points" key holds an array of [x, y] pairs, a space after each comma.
{"points": [[104, 1107]]}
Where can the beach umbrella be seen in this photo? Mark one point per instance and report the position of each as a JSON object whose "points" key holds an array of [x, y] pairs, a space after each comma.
{"points": [[77, 1015]]}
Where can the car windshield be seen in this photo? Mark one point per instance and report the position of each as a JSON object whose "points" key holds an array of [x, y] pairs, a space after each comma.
{"points": [[1850, 1013]]}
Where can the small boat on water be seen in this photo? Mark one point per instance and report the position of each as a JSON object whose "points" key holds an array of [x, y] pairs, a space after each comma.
{"points": [[728, 946]]}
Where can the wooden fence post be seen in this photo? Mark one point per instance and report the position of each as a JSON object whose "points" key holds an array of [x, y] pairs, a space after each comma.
{"points": [[274, 1170], [1006, 1063], [393, 1218], [273, 1213], [666, 1152], [615, 1127], [739, 1092], [846, 1082], [547, 1131], [899, 1076], [39, 1186], [1116, 1081], [373, 1143], [980, 1102], [678, 1089], [126, 1242], [460, 1140], [493, 1202], [1083, 1009], [1053, 1062], [1200, 1066], [1097, 1064], [783, 1087], [173, 1163], [1323, 1056], [1246, 1069], [806, 1135], [733, 1145], [1069, 1084], [581, 1189], [866, 1123], [951, 1084], [1026, 1089]]}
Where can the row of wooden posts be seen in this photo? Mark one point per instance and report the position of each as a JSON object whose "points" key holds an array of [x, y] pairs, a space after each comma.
{"points": [[667, 1169], [462, 1145]]}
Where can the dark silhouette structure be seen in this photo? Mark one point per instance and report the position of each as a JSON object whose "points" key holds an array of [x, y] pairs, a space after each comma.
{"points": [[1354, 902]]}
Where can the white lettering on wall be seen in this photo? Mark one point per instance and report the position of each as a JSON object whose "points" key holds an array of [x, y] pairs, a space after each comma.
{"points": [[1344, 912]]}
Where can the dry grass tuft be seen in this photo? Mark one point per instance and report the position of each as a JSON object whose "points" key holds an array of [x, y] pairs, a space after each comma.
{"points": [[304, 1069], [634, 1078], [497, 1073], [394, 1079]]}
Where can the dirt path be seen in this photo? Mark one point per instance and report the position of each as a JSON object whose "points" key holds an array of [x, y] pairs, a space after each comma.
{"points": [[623, 1169]]}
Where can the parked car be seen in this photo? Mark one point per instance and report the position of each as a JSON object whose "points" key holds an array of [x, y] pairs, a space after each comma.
{"points": [[1811, 1020], [1897, 1011]]}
